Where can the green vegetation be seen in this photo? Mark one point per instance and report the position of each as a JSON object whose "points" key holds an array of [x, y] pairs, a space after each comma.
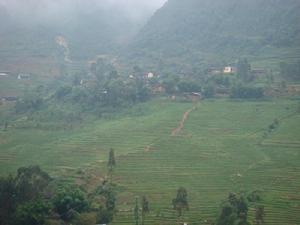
{"points": [[203, 102], [221, 148], [184, 35], [32, 197]]}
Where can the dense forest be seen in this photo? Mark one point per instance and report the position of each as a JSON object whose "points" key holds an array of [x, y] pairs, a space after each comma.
{"points": [[210, 32]]}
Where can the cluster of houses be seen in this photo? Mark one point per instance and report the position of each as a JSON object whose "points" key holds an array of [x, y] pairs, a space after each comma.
{"points": [[20, 76], [227, 70], [148, 76]]}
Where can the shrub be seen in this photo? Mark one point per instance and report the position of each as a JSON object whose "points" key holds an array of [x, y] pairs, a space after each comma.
{"points": [[247, 92], [33, 213], [68, 202]]}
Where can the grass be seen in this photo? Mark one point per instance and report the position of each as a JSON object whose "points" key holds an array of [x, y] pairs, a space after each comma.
{"points": [[220, 149]]}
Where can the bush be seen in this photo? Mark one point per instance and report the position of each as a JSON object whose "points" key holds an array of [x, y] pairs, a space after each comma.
{"points": [[68, 202], [246, 92], [86, 219], [209, 91], [33, 213]]}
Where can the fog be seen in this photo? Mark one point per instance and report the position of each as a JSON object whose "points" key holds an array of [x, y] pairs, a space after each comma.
{"points": [[53, 10]]}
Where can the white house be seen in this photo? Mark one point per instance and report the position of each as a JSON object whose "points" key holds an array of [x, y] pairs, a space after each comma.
{"points": [[150, 75], [23, 76], [228, 69]]}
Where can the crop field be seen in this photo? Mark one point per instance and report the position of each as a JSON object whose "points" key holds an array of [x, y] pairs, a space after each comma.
{"points": [[211, 148]]}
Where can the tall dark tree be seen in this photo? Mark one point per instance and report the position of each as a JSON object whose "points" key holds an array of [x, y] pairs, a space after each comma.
{"points": [[259, 215], [244, 70], [145, 209], [180, 203], [5, 125], [111, 162], [7, 199], [136, 212], [234, 211]]}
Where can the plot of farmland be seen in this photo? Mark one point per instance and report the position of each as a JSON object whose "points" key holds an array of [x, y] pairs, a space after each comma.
{"points": [[220, 148]]}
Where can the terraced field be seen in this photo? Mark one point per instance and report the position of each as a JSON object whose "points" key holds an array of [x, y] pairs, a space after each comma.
{"points": [[221, 146], [88, 144], [219, 150]]}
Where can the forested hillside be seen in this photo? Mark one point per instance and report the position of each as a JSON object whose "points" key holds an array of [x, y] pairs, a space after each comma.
{"points": [[88, 30], [192, 30]]}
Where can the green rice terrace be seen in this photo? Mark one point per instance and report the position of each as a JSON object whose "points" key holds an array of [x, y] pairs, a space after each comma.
{"points": [[211, 148]]}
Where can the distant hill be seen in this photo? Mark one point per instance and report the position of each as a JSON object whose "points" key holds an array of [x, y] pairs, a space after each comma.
{"points": [[89, 31], [206, 31]]}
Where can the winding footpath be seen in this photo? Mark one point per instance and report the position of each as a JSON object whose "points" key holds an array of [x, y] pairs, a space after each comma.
{"points": [[185, 116]]}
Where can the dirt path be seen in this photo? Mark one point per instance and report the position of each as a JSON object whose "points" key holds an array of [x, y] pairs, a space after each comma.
{"points": [[185, 116]]}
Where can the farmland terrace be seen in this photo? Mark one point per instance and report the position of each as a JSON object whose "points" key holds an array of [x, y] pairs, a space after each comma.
{"points": [[222, 146]]}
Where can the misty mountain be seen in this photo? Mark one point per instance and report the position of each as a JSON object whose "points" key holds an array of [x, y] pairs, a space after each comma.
{"points": [[90, 28], [192, 30]]}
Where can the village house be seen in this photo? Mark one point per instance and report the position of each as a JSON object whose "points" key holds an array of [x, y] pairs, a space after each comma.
{"points": [[23, 76], [150, 75], [229, 70], [9, 99], [4, 73]]}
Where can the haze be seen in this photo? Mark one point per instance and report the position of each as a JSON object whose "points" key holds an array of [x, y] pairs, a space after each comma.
{"points": [[51, 9]]}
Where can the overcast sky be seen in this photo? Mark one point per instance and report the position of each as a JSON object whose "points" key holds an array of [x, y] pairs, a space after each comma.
{"points": [[54, 9], [62, 4]]}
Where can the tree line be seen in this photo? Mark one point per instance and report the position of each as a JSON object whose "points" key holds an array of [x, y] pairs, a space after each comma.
{"points": [[32, 197]]}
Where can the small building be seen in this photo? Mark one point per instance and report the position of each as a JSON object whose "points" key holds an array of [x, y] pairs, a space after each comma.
{"points": [[23, 76], [150, 75], [228, 70], [9, 99], [82, 82]]}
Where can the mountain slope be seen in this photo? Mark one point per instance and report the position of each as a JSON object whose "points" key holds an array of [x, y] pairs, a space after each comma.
{"points": [[195, 29], [91, 28]]}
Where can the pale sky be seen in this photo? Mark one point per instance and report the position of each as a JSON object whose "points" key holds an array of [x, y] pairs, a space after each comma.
{"points": [[54, 8]]}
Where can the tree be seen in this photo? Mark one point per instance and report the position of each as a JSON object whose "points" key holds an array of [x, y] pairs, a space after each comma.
{"points": [[7, 199], [110, 202], [20, 196], [30, 182], [234, 211], [244, 70], [259, 215], [104, 216], [246, 92], [180, 203], [111, 162], [68, 202], [136, 212], [33, 213], [145, 208], [5, 126]]}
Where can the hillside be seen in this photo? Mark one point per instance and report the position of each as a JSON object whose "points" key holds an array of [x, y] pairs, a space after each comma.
{"points": [[202, 31], [221, 148], [89, 33]]}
